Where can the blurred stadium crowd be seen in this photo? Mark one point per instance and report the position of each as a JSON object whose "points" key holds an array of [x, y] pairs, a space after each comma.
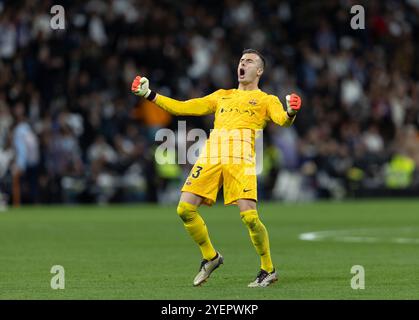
{"points": [[71, 130]]}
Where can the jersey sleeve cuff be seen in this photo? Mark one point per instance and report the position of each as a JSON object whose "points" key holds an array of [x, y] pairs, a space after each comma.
{"points": [[151, 96]]}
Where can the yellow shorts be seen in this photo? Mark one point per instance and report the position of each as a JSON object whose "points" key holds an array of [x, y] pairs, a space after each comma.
{"points": [[239, 181]]}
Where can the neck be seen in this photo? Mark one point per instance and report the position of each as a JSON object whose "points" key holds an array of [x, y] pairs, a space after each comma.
{"points": [[248, 86]]}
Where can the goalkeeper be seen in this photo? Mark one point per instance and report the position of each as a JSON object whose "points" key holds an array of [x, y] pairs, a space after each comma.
{"points": [[244, 110]]}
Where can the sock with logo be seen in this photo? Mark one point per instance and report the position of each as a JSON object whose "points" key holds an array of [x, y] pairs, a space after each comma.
{"points": [[259, 236], [197, 229]]}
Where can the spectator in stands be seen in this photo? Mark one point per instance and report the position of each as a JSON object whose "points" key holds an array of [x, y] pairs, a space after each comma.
{"points": [[26, 146]]}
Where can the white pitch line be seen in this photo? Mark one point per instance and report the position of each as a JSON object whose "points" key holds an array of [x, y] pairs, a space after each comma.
{"points": [[405, 240], [348, 236]]}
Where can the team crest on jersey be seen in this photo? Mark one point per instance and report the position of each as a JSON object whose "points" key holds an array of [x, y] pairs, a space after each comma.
{"points": [[253, 102]]}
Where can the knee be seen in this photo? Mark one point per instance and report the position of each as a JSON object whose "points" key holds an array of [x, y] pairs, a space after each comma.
{"points": [[186, 211], [250, 218], [246, 204]]}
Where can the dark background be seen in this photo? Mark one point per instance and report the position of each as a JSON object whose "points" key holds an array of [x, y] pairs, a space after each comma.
{"points": [[93, 140]]}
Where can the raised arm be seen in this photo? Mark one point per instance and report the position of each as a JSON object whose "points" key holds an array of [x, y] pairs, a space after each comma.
{"points": [[277, 113], [192, 107]]}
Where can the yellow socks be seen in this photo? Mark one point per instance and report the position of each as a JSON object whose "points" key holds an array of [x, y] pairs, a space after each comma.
{"points": [[259, 236], [196, 227]]}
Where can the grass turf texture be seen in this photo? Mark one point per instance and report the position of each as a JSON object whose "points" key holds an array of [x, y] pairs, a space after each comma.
{"points": [[143, 252]]}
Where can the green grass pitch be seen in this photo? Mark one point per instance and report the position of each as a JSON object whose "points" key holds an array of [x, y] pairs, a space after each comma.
{"points": [[143, 252]]}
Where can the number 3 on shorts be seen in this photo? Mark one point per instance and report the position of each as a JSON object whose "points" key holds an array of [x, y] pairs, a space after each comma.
{"points": [[197, 172]]}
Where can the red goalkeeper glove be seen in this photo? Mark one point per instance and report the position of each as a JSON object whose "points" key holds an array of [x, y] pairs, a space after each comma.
{"points": [[293, 104], [140, 87]]}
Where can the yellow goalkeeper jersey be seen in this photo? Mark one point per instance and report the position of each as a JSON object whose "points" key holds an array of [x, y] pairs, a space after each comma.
{"points": [[233, 109], [238, 116]]}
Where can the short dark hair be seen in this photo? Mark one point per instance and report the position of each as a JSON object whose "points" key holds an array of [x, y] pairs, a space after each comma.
{"points": [[257, 53]]}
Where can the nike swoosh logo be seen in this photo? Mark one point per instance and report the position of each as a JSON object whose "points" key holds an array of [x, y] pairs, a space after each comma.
{"points": [[247, 190]]}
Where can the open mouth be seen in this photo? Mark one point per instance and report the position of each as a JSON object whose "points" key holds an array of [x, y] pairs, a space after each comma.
{"points": [[241, 73]]}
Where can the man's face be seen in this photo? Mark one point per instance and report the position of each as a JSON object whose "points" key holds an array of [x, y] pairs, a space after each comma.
{"points": [[250, 68]]}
